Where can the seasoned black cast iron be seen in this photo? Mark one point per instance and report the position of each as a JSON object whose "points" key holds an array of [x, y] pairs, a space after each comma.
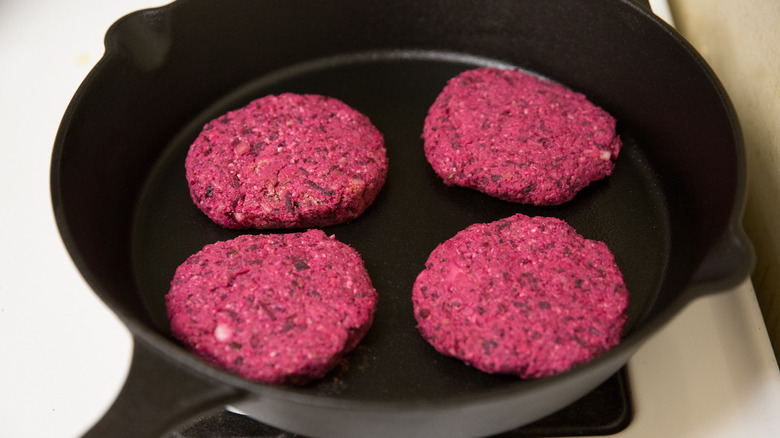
{"points": [[670, 212]]}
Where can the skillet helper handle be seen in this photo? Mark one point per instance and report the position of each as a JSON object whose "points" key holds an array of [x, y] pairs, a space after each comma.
{"points": [[159, 396], [729, 262]]}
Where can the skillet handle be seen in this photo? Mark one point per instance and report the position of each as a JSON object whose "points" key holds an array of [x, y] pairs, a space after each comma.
{"points": [[726, 265], [159, 396]]}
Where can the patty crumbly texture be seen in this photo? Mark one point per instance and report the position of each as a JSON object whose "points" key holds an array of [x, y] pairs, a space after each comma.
{"points": [[287, 161], [522, 295], [517, 137], [278, 308]]}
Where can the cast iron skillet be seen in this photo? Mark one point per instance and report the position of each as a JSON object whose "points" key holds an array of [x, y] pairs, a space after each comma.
{"points": [[670, 212]]}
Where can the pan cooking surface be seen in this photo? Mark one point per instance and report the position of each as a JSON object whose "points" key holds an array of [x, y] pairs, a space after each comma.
{"points": [[414, 212]]}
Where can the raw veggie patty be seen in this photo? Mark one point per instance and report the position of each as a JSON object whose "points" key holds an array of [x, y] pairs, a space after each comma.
{"points": [[287, 161], [517, 137], [279, 308], [522, 295]]}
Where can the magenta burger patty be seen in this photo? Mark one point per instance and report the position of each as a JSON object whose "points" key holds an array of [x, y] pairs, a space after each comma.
{"points": [[278, 308], [517, 137], [523, 295], [287, 161]]}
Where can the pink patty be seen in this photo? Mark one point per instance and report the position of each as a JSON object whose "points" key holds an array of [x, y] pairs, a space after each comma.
{"points": [[525, 296], [279, 308], [517, 137], [287, 161]]}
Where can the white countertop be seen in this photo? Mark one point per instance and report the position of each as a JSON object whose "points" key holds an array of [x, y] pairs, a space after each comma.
{"points": [[64, 355]]}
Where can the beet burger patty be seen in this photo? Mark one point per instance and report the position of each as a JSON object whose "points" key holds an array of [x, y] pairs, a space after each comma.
{"points": [[518, 137], [279, 308], [522, 295], [287, 161]]}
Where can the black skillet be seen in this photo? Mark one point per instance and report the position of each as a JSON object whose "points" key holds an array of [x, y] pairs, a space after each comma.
{"points": [[670, 212]]}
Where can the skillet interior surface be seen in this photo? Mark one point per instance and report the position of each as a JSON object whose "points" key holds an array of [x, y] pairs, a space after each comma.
{"points": [[414, 212]]}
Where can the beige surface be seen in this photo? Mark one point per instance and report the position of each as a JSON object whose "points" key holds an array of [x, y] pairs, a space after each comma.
{"points": [[741, 41]]}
